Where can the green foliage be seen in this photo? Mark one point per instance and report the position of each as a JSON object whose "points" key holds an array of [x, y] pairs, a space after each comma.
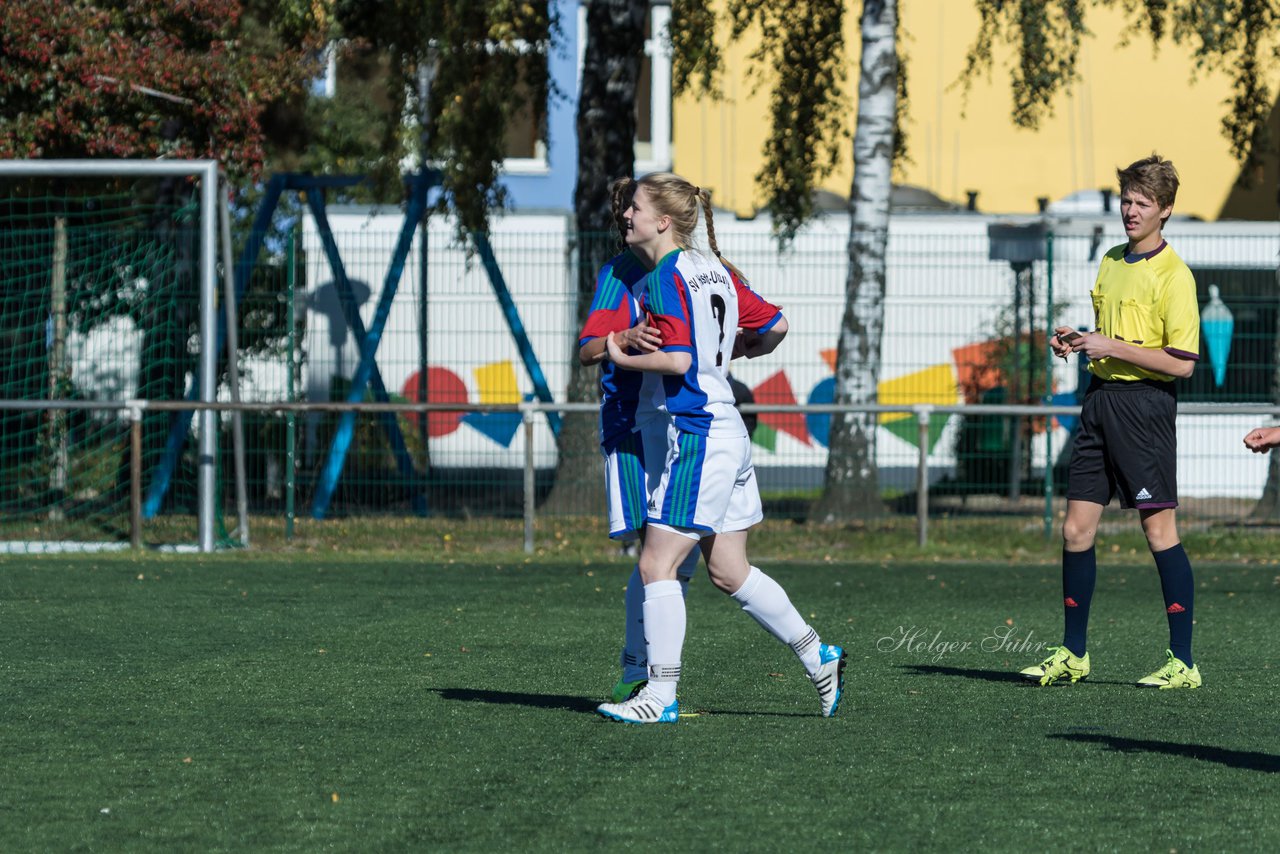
{"points": [[484, 62], [1243, 36], [1045, 35], [346, 134], [1238, 36], [901, 147], [802, 57], [1013, 372], [289, 22], [1020, 349], [802, 44], [696, 62]]}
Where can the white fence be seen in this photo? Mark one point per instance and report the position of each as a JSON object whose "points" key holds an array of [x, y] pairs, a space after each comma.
{"points": [[943, 296]]}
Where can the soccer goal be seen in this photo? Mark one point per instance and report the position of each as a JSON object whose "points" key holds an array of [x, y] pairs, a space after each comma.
{"points": [[108, 301]]}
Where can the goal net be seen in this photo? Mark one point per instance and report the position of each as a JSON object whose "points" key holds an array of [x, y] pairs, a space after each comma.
{"points": [[106, 297]]}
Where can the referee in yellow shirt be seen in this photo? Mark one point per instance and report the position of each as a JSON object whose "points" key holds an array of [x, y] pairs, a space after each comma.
{"points": [[1147, 334]]}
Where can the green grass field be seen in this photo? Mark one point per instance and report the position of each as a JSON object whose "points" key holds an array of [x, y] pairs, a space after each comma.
{"points": [[305, 702]]}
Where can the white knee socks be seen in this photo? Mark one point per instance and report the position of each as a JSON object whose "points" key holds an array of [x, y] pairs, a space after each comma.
{"points": [[634, 658], [664, 627], [768, 604]]}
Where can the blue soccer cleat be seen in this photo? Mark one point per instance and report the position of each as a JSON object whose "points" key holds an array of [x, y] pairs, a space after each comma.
{"points": [[829, 680], [643, 708]]}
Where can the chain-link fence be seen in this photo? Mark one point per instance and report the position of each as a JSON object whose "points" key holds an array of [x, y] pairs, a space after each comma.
{"points": [[966, 303], [965, 307]]}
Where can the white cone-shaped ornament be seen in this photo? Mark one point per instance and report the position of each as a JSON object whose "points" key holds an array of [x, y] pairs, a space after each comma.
{"points": [[1218, 324]]}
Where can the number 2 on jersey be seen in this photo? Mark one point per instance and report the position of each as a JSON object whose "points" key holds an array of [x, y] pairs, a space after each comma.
{"points": [[718, 309]]}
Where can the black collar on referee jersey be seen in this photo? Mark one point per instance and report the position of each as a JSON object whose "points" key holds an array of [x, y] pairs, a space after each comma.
{"points": [[1130, 258]]}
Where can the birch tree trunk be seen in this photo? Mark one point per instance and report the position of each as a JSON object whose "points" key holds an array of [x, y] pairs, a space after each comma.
{"points": [[852, 486], [606, 150]]}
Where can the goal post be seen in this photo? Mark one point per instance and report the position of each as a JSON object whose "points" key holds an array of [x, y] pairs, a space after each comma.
{"points": [[206, 173]]}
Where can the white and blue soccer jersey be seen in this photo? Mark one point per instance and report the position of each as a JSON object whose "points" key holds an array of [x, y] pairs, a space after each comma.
{"points": [[708, 484], [698, 306], [614, 309]]}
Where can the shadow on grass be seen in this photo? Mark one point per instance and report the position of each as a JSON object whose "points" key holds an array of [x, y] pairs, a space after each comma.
{"points": [[748, 713], [963, 672], [1247, 759], [513, 698], [573, 704], [1010, 676]]}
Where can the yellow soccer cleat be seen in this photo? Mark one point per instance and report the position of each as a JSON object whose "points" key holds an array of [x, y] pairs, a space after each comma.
{"points": [[1174, 674], [1060, 665]]}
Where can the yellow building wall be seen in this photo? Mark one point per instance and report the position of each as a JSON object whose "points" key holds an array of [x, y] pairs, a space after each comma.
{"points": [[1129, 102]]}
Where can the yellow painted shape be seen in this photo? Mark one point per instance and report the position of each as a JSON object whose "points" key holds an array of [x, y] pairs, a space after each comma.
{"points": [[935, 385], [497, 383]]}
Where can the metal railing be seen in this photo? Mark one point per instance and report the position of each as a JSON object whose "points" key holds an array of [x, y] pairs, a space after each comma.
{"points": [[531, 413]]}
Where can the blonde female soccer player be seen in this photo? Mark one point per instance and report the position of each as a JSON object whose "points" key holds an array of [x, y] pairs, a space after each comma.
{"points": [[707, 493]]}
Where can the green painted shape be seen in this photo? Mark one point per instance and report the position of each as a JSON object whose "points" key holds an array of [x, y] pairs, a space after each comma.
{"points": [[906, 429], [765, 436]]}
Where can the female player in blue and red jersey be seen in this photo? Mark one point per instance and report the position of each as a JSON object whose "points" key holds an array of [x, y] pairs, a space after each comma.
{"points": [[634, 447], [633, 441], [707, 493]]}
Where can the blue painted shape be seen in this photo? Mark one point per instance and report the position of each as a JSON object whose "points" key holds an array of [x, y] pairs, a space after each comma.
{"points": [[367, 370], [819, 423], [530, 359], [501, 427], [180, 423]]}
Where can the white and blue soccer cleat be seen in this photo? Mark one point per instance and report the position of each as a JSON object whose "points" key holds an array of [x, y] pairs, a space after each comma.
{"points": [[829, 680], [643, 708]]}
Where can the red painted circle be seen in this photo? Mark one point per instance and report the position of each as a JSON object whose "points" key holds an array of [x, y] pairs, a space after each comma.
{"points": [[443, 386]]}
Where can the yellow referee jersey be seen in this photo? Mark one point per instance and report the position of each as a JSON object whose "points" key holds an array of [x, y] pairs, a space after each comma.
{"points": [[1150, 302]]}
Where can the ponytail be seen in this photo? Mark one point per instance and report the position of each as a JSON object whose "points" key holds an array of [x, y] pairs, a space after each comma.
{"points": [[705, 198]]}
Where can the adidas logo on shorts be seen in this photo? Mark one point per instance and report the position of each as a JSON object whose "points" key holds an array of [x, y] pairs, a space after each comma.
{"points": [[1142, 495]]}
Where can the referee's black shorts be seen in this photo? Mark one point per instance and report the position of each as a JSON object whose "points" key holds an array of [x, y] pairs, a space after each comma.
{"points": [[1127, 444]]}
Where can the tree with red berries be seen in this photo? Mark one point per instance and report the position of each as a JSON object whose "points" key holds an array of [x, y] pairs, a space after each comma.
{"points": [[148, 78]]}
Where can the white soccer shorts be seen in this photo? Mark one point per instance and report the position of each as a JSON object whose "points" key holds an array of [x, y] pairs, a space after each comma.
{"points": [[632, 468], [708, 486]]}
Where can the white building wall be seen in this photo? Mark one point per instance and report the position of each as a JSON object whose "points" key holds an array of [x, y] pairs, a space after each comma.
{"points": [[943, 293]]}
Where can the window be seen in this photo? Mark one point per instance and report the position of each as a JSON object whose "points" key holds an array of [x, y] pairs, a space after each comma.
{"points": [[525, 146], [653, 90], [653, 96]]}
